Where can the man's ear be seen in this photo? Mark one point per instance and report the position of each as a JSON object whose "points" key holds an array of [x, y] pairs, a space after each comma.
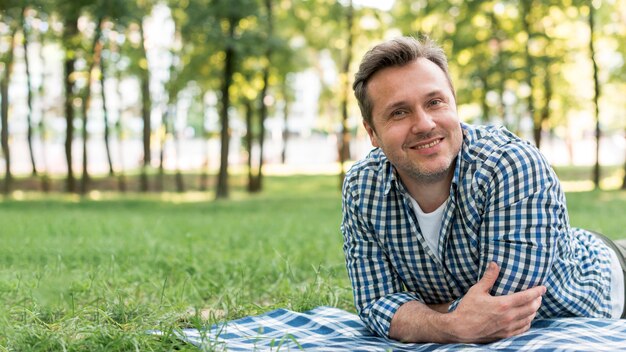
{"points": [[371, 133]]}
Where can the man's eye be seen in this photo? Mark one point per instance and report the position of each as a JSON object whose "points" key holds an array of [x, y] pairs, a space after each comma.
{"points": [[435, 102], [398, 114]]}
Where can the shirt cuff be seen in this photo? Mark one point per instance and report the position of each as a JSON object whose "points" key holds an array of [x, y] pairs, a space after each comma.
{"points": [[378, 317]]}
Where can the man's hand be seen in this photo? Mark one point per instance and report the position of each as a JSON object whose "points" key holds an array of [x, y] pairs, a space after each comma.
{"points": [[481, 317]]}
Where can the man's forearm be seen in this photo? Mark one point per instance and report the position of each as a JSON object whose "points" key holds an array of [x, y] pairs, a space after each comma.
{"points": [[418, 322], [478, 318]]}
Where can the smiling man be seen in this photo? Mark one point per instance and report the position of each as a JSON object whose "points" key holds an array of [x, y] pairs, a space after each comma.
{"points": [[459, 233]]}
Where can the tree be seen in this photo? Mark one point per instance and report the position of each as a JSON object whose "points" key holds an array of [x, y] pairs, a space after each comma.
{"points": [[131, 60], [280, 55], [217, 29], [43, 131], [130, 17], [105, 112], [119, 125], [527, 7], [94, 57], [596, 94], [146, 107], [29, 100], [222, 189], [344, 144], [336, 39], [257, 183], [69, 13], [286, 91], [11, 14], [104, 12], [234, 53]]}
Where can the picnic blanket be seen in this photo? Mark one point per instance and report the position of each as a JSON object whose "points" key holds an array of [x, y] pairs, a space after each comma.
{"points": [[332, 329]]}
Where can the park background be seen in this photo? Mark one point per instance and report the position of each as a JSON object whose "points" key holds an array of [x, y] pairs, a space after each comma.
{"points": [[171, 164]]}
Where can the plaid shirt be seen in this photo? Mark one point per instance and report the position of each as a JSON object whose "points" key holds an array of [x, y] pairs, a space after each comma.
{"points": [[506, 205]]}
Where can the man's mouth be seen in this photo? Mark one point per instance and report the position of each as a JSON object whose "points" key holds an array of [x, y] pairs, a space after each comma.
{"points": [[428, 145]]}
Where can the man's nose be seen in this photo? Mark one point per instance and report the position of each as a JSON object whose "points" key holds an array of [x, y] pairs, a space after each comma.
{"points": [[422, 122]]}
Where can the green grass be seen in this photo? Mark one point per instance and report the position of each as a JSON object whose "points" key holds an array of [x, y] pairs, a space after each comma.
{"points": [[85, 275], [602, 211]]}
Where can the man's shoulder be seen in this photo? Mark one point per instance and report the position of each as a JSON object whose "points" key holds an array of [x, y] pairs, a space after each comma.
{"points": [[373, 163], [493, 142], [369, 175]]}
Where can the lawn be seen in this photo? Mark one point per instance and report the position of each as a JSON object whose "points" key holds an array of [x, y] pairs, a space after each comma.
{"points": [[84, 275]]}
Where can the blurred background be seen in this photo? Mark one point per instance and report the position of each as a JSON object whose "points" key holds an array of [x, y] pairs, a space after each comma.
{"points": [[198, 95]]}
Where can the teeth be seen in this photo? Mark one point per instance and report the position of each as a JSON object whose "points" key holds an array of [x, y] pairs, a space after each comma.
{"points": [[431, 144]]}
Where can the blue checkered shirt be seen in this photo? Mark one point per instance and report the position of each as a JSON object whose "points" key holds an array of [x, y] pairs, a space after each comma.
{"points": [[506, 205]]}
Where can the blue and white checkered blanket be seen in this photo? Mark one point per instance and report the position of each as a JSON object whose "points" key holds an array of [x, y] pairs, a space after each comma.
{"points": [[332, 329]]}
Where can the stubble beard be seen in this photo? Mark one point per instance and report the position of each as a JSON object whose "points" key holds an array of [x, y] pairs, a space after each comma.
{"points": [[418, 174]]}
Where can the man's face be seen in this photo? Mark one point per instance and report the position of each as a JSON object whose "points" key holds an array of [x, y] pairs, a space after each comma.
{"points": [[414, 120]]}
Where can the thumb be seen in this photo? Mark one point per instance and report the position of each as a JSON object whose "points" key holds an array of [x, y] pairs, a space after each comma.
{"points": [[489, 277]]}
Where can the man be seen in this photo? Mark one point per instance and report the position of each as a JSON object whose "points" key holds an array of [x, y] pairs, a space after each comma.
{"points": [[456, 233]]}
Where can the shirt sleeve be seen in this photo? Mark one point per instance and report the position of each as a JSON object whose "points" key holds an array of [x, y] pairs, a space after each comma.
{"points": [[378, 291], [525, 214]]}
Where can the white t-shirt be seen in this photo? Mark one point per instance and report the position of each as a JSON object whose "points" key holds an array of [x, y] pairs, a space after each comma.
{"points": [[430, 224]]}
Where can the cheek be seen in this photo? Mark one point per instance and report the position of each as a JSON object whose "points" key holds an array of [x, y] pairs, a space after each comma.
{"points": [[397, 129], [457, 138]]}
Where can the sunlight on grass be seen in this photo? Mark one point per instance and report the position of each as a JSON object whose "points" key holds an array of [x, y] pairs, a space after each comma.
{"points": [[607, 184], [85, 273]]}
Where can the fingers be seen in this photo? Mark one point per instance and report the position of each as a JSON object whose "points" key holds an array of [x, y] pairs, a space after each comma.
{"points": [[489, 278], [523, 298], [527, 312]]}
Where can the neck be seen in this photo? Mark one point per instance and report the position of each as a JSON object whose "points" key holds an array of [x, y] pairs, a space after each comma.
{"points": [[432, 193]]}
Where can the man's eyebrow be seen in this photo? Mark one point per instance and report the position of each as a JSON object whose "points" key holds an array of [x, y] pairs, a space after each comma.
{"points": [[393, 106], [434, 93]]}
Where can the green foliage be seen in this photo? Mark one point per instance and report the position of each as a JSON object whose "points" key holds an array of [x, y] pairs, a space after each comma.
{"points": [[503, 68]]}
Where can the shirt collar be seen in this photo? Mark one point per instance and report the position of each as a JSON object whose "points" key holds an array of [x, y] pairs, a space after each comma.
{"points": [[389, 174], [467, 140]]}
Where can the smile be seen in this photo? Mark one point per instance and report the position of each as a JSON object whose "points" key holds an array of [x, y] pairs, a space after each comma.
{"points": [[428, 145]]}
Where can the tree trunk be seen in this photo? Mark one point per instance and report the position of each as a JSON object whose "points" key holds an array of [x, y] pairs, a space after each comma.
{"points": [[526, 8], [545, 111], [146, 109], [249, 138], [29, 97], [483, 98], [4, 112], [105, 112], [596, 96], [121, 176], [84, 185], [69, 32], [344, 150], [45, 179], [283, 154], [204, 175], [496, 29], [180, 184], [229, 67], [165, 117], [258, 184], [96, 50]]}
